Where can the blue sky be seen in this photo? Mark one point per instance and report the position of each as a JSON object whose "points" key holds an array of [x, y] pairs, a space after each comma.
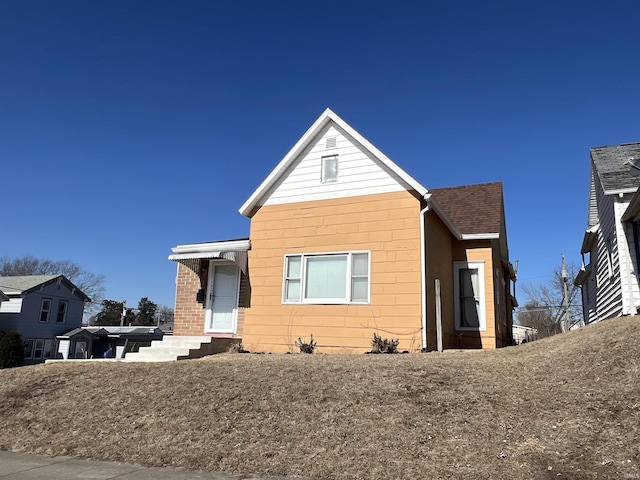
{"points": [[129, 127]]}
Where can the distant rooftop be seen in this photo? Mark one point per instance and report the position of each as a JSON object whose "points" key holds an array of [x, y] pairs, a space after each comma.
{"points": [[21, 283], [613, 166]]}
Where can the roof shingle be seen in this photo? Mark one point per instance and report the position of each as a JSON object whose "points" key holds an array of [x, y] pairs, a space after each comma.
{"points": [[612, 167], [20, 283], [473, 209]]}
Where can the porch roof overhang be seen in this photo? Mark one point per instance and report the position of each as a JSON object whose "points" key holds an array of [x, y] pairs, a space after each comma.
{"points": [[232, 250], [583, 276], [590, 236]]}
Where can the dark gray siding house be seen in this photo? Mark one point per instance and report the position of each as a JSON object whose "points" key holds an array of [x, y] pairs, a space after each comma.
{"points": [[40, 307]]}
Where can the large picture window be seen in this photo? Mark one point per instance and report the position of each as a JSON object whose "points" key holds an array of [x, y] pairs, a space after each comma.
{"points": [[326, 278], [469, 295]]}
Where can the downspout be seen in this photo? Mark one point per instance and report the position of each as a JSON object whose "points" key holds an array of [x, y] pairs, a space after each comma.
{"points": [[423, 272]]}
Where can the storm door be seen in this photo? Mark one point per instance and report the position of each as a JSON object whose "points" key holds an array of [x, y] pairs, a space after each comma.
{"points": [[222, 298]]}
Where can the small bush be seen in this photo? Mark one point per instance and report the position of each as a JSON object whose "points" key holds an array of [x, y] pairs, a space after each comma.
{"points": [[305, 347], [237, 348], [11, 350], [384, 345]]}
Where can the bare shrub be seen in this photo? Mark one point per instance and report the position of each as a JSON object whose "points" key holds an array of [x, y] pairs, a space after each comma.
{"points": [[304, 346], [237, 348], [384, 345]]}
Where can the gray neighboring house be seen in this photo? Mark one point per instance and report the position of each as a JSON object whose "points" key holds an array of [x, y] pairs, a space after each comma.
{"points": [[611, 244], [40, 307]]}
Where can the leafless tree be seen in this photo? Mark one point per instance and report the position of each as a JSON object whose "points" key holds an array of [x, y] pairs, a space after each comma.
{"points": [[545, 309], [164, 314]]}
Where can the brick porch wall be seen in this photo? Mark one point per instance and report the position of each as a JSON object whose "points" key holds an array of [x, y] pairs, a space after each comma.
{"points": [[189, 314]]}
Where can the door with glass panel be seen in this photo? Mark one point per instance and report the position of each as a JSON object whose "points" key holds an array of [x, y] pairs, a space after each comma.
{"points": [[222, 298]]}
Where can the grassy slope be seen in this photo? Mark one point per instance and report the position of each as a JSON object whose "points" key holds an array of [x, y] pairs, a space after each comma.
{"points": [[567, 405]]}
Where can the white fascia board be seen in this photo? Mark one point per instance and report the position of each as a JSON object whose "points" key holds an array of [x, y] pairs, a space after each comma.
{"points": [[228, 246], [621, 190], [408, 179], [590, 236], [479, 236], [328, 115], [443, 216]]}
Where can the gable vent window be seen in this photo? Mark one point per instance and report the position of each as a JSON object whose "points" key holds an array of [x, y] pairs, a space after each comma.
{"points": [[329, 169], [332, 142]]}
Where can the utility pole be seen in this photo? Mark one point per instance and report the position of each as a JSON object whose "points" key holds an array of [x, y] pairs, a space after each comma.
{"points": [[124, 312], [567, 316]]}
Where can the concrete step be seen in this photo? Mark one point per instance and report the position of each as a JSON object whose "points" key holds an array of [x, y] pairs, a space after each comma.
{"points": [[172, 348]]}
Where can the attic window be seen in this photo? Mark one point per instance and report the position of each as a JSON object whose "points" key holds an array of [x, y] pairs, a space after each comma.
{"points": [[329, 169], [332, 142]]}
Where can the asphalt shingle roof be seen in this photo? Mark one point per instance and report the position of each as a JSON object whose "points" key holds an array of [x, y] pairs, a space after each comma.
{"points": [[473, 209], [19, 284], [22, 283], [612, 167]]}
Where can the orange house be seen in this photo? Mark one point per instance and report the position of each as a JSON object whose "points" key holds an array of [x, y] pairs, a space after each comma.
{"points": [[344, 244]]}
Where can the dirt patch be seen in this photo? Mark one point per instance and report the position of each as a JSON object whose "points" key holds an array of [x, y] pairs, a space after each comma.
{"points": [[568, 407]]}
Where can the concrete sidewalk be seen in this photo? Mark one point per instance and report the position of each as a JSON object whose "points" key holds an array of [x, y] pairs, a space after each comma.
{"points": [[24, 466]]}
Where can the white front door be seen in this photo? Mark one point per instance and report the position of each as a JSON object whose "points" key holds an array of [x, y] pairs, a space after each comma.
{"points": [[222, 298]]}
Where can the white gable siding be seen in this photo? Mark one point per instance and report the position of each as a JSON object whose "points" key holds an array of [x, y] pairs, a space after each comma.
{"points": [[358, 172]]}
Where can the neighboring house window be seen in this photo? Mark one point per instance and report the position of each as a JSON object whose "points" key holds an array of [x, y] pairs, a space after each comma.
{"points": [[609, 258], [38, 348], [329, 169], [469, 295], [49, 347], [28, 348], [63, 305], [45, 308], [327, 278]]}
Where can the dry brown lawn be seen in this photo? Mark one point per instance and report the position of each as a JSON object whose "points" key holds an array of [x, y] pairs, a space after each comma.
{"points": [[564, 407]]}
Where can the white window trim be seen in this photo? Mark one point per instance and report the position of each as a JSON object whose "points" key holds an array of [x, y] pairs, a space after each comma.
{"points": [[457, 266], [322, 162], [348, 279], [38, 341]]}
